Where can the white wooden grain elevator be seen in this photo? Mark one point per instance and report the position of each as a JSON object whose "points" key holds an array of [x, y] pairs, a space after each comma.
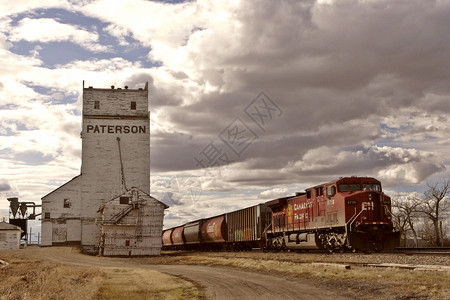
{"points": [[115, 158]]}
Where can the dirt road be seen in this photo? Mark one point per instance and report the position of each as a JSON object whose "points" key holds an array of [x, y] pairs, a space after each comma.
{"points": [[226, 283], [217, 282]]}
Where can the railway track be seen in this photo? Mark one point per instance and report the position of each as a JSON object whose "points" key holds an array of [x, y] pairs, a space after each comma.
{"points": [[351, 264], [427, 259], [423, 250]]}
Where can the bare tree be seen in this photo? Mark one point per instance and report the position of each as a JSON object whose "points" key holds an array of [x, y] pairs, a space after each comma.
{"points": [[406, 214], [435, 206], [401, 224], [425, 230]]}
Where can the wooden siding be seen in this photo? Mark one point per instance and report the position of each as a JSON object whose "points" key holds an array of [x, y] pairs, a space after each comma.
{"points": [[108, 116]]}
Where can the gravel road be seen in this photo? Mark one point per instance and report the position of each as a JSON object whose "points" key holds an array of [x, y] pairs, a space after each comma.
{"points": [[226, 283], [217, 282]]}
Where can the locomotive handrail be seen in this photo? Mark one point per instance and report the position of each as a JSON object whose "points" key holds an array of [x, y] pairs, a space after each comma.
{"points": [[387, 211], [354, 218], [265, 231], [346, 224]]}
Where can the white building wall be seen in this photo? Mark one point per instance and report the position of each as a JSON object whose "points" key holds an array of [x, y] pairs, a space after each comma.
{"points": [[10, 239], [107, 117], [59, 231], [73, 231], [61, 209], [46, 232]]}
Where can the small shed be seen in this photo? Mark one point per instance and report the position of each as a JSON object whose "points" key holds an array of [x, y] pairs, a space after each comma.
{"points": [[131, 224], [9, 236]]}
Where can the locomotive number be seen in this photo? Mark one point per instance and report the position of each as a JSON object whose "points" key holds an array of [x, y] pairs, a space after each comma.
{"points": [[367, 206]]}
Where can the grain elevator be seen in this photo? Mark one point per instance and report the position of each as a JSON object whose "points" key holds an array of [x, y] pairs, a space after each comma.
{"points": [[115, 158]]}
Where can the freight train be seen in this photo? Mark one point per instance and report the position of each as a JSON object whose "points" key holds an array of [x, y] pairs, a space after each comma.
{"points": [[347, 214]]}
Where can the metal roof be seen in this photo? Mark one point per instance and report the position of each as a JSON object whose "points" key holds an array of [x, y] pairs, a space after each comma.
{"points": [[7, 226]]}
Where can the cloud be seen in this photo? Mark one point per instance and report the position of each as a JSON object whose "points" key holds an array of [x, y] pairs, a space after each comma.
{"points": [[391, 165], [181, 190], [4, 44], [119, 32], [115, 64], [45, 30], [15, 7], [366, 95], [274, 193], [4, 186]]}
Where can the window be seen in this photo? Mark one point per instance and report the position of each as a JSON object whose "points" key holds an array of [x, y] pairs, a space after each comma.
{"points": [[47, 216], [133, 105], [349, 187], [319, 191], [66, 203], [3, 237], [371, 187], [127, 243], [331, 191], [308, 194], [97, 104], [124, 200]]}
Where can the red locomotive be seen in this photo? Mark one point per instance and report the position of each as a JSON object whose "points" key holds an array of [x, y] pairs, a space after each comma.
{"points": [[350, 213]]}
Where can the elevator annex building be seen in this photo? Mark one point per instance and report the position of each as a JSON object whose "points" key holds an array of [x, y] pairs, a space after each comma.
{"points": [[108, 208]]}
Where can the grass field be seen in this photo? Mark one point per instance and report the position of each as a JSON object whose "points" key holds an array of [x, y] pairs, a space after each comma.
{"points": [[27, 278]]}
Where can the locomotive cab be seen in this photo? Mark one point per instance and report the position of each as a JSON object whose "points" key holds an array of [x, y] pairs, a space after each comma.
{"points": [[368, 215]]}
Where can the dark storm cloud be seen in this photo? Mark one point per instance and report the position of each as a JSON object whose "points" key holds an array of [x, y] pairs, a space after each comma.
{"points": [[337, 71], [174, 151], [138, 80], [158, 96], [331, 50], [208, 116]]}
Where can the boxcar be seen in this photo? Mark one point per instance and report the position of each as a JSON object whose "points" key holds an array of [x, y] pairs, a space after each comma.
{"points": [[246, 227]]}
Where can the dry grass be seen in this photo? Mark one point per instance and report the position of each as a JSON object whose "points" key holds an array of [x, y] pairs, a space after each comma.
{"points": [[128, 283], [26, 278], [407, 284]]}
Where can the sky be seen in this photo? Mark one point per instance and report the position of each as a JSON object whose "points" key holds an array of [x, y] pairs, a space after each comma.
{"points": [[249, 100]]}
